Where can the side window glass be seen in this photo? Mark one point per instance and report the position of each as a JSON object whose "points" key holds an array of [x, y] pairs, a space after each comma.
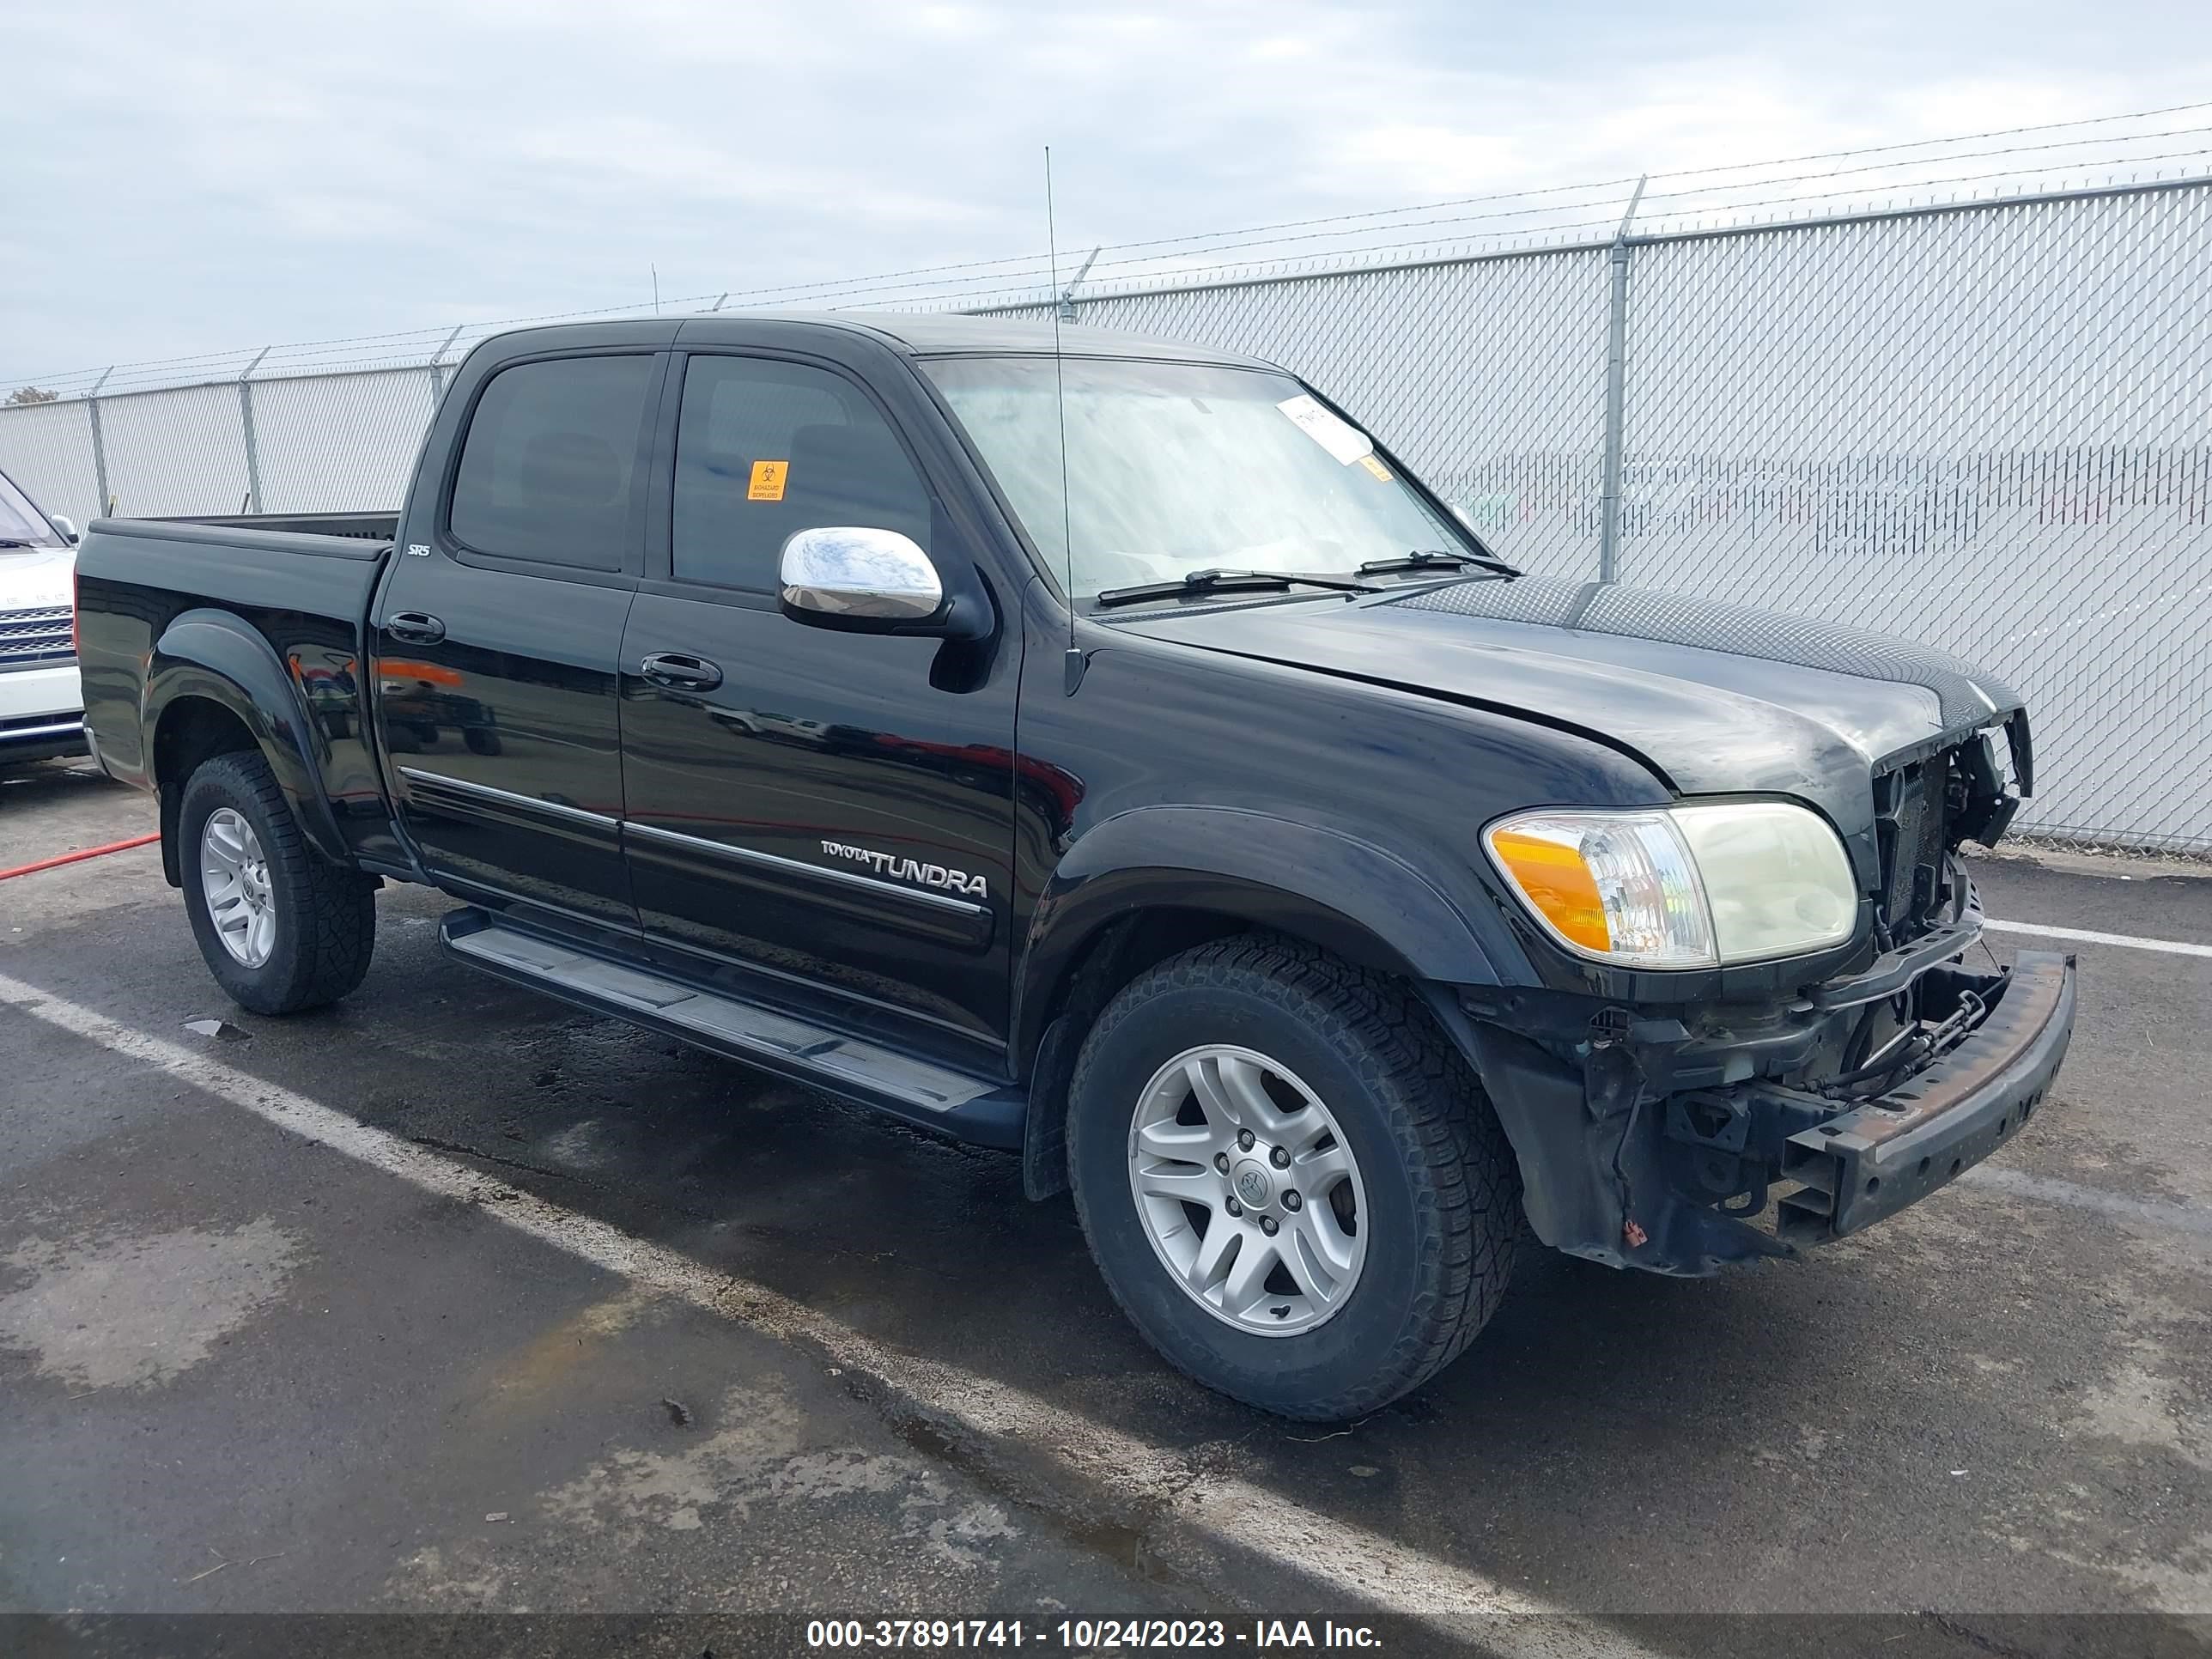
{"points": [[766, 448], [548, 469]]}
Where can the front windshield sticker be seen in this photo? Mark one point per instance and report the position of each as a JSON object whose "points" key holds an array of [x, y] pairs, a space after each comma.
{"points": [[1381, 472], [1341, 438]]}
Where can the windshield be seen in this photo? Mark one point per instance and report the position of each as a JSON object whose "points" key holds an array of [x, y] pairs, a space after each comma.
{"points": [[20, 522], [1176, 467]]}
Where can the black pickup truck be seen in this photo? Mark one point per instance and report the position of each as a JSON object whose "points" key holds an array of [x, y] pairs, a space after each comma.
{"points": [[1104, 750]]}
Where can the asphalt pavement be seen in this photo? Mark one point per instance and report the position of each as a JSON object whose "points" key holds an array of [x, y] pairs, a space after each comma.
{"points": [[453, 1298]]}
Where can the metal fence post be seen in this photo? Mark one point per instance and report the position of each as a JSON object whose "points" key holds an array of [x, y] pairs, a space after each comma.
{"points": [[1067, 294], [438, 365], [99, 443], [1616, 396], [253, 501]]}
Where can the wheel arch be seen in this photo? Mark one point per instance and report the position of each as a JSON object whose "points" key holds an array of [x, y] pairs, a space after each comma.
{"points": [[1143, 885], [1310, 882], [214, 686]]}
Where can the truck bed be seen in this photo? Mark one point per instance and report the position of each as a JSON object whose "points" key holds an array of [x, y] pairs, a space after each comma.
{"points": [[282, 610], [200, 563]]}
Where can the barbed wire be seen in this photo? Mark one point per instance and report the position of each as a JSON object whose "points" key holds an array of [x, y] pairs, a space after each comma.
{"points": [[1010, 279], [1538, 238], [1101, 268], [812, 290]]}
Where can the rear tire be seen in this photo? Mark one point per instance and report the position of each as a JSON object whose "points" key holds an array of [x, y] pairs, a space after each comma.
{"points": [[1394, 1196], [316, 920]]}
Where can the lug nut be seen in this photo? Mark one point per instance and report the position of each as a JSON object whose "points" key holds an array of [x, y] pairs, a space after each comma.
{"points": [[1280, 1157], [1221, 1162], [1234, 1207], [1267, 1226], [1244, 1139], [1292, 1200]]}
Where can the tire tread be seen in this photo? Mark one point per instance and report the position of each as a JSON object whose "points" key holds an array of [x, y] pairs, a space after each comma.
{"points": [[333, 908], [1466, 1180]]}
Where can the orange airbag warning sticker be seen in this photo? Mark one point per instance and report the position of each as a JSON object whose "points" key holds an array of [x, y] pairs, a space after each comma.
{"points": [[768, 481]]}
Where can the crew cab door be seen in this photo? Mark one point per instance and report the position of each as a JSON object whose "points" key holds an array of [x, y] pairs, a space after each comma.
{"points": [[829, 813], [497, 635]]}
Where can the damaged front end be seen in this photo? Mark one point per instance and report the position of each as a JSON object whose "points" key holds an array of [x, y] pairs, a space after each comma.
{"points": [[1681, 1138]]}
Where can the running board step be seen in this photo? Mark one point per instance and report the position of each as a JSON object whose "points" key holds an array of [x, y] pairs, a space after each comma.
{"points": [[974, 1109]]}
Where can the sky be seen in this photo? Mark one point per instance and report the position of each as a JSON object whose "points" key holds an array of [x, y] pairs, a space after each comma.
{"points": [[187, 176]]}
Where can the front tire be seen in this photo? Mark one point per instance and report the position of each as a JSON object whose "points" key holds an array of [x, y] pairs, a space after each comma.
{"points": [[280, 928], [1313, 1109]]}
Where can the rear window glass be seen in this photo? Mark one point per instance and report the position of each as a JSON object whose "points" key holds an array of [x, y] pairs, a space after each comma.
{"points": [[549, 470]]}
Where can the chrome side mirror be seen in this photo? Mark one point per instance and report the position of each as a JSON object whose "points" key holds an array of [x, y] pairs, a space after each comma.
{"points": [[848, 576], [66, 525]]}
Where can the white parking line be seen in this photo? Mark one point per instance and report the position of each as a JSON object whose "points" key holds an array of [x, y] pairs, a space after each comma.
{"points": [[1331, 1556], [2088, 936]]}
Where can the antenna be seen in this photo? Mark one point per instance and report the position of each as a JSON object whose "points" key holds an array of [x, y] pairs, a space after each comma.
{"points": [[1072, 675]]}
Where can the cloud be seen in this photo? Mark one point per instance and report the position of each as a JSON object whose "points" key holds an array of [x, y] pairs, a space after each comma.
{"points": [[189, 179]]}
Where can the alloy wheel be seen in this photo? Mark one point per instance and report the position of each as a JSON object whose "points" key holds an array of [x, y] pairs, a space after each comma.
{"points": [[235, 886], [1248, 1190]]}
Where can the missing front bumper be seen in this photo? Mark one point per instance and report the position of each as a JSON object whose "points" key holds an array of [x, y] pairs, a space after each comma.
{"points": [[1633, 1153], [1873, 1161]]}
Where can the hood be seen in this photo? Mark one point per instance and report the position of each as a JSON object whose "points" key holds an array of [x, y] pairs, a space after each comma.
{"points": [[1714, 698], [36, 578]]}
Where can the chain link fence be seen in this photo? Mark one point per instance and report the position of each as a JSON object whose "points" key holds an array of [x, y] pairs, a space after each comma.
{"points": [[1987, 427], [1990, 431]]}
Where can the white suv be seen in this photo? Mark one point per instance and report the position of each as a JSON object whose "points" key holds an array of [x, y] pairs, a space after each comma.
{"points": [[41, 700]]}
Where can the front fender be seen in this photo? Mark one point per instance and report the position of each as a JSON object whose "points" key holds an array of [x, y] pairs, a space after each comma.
{"points": [[1341, 891], [213, 655]]}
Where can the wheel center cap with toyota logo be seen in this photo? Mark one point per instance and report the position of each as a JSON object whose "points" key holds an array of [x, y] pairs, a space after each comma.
{"points": [[1255, 1185]]}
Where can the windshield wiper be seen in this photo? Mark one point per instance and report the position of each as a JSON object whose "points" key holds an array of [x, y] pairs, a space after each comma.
{"points": [[9, 541], [1230, 582], [1423, 558]]}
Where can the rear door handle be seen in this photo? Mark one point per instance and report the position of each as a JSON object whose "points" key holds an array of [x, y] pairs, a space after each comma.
{"points": [[415, 627], [682, 670]]}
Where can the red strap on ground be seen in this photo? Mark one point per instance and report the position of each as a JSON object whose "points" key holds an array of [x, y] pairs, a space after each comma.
{"points": [[74, 858]]}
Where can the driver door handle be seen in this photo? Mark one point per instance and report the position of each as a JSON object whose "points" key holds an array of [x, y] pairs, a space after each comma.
{"points": [[415, 627], [681, 671]]}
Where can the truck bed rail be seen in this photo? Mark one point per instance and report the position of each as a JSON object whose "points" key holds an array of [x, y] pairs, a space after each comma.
{"points": [[367, 526]]}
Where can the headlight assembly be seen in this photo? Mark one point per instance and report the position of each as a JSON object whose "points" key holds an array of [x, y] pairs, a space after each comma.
{"points": [[1682, 887]]}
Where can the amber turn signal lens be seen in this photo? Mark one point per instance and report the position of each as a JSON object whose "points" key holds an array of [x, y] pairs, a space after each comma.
{"points": [[1552, 876]]}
